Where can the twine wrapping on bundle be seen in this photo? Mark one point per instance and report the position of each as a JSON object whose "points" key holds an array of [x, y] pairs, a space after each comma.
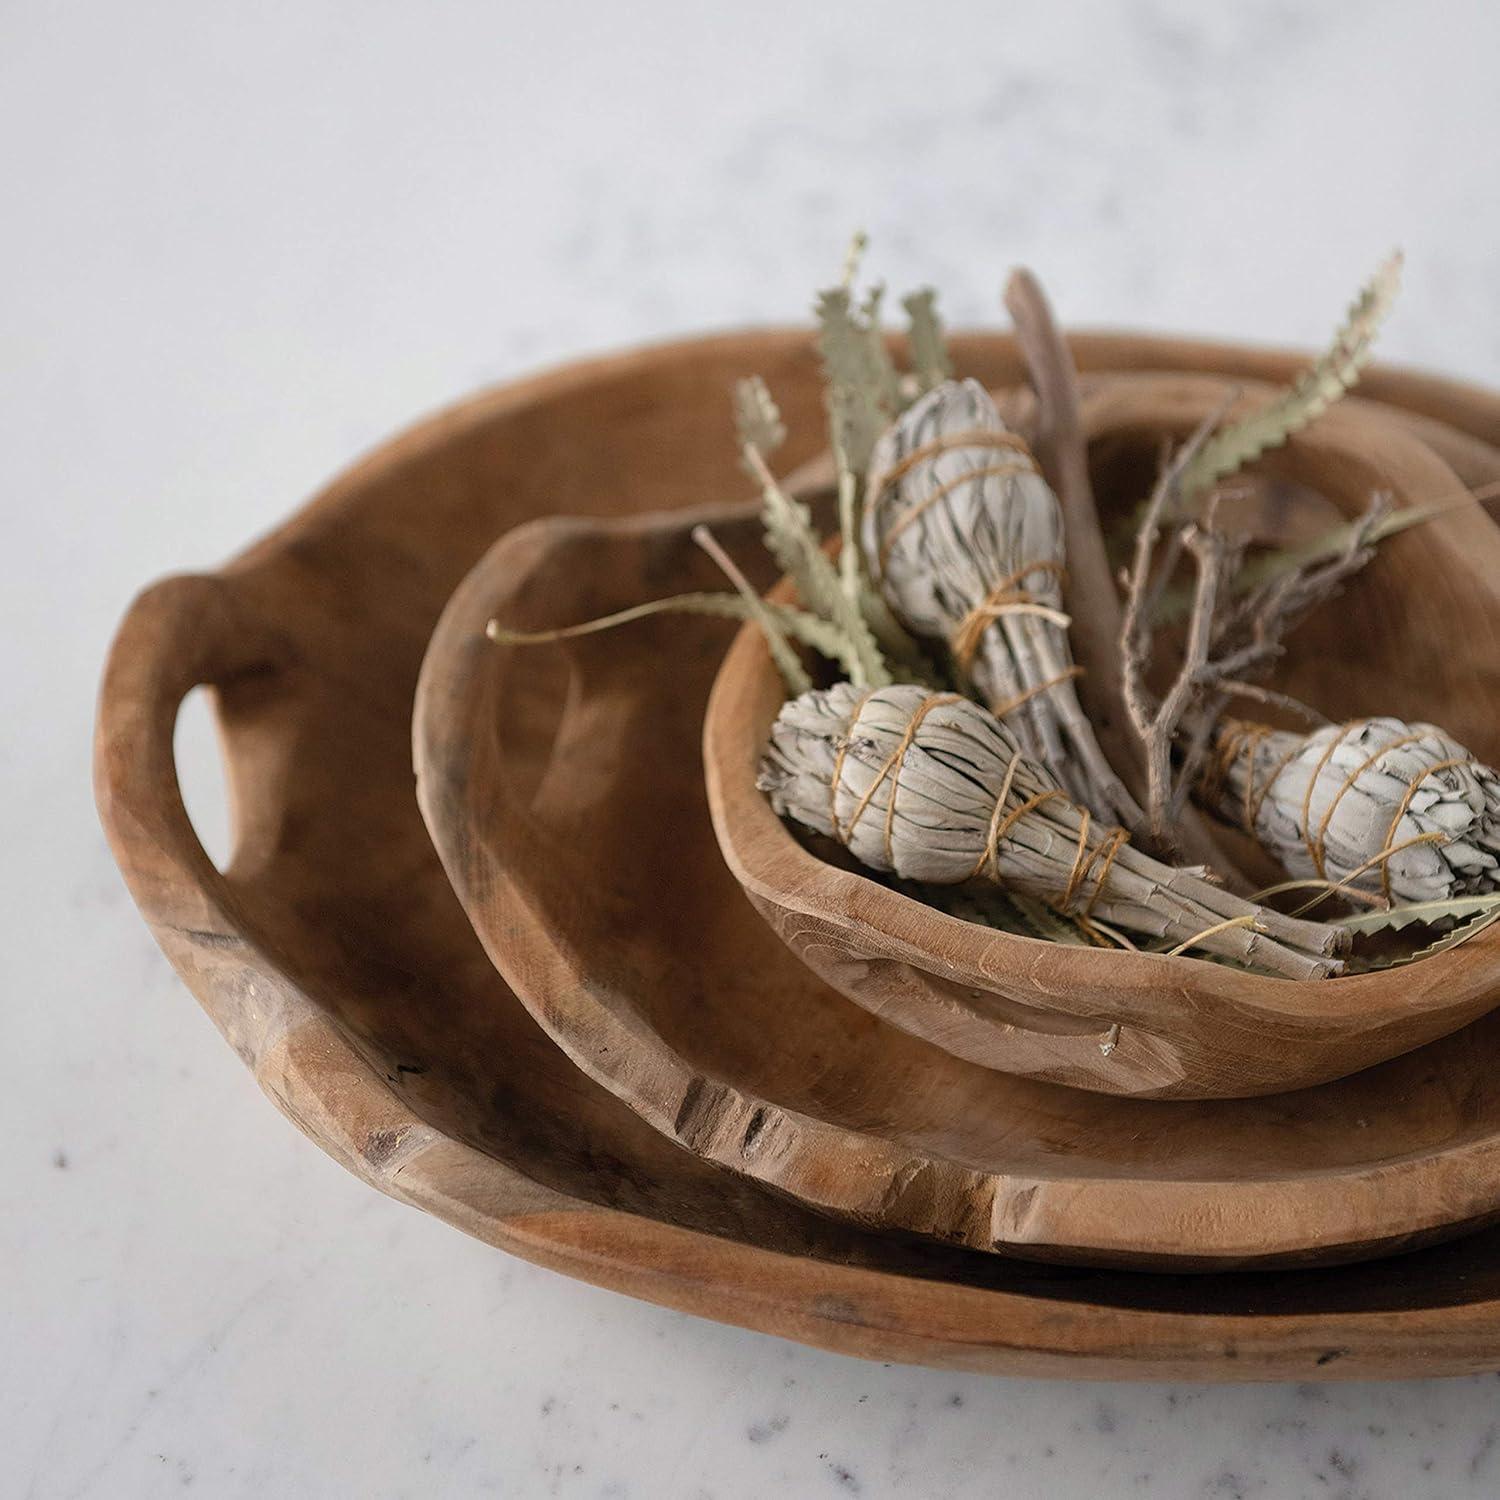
{"points": [[965, 540], [1392, 809], [934, 788]]}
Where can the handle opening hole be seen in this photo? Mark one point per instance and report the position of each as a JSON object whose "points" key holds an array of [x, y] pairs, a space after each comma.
{"points": [[199, 749]]}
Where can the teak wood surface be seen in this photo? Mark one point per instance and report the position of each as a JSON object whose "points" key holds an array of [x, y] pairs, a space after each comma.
{"points": [[1417, 634], [334, 958], [562, 788]]}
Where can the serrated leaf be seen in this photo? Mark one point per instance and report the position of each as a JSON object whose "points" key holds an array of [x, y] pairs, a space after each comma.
{"points": [[1311, 394], [878, 355], [792, 540], [793, 673], [929, 351], [1001, 910], [862, 392], [1333, 542], [1460, 934], [757, 418], [1427, 912], [903, 657], [860, 382], [859, 242], [1371, 963]]}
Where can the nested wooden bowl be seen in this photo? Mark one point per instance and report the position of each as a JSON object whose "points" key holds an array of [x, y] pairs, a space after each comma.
{"points": [[334, 957], [1416, 635], [562, 787]]}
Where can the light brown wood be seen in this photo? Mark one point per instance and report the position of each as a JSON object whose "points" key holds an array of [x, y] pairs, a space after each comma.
{"points": [[561, 787], [335, 959], [1188, 1029]]}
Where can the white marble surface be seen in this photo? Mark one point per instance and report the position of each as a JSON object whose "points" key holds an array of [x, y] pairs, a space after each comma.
{"points": [[244, 242]]}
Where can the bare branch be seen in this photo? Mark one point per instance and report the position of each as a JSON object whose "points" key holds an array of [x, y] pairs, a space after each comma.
{"points": [[1272, 609], [1216, 557], [1199, 741], [1259, 693], [1062, 451], [1090, 596], [1225, 642]]}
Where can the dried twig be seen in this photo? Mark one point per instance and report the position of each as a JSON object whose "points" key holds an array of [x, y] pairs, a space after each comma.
{"points": [[1062, 452], [1253, 629], [1090, 594], [1227, 641], [793, 673], [1258, 692]]}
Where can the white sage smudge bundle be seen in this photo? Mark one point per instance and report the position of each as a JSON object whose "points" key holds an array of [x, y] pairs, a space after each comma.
{"points": [[964, 538], [936, 789], [1380, 806]]}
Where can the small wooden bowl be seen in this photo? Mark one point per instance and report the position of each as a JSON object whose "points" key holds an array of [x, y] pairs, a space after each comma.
{"points": [[1416, 635], [336, 961]]}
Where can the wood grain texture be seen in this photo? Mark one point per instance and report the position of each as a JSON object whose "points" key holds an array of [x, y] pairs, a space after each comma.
{"points": [[1188, 1029], [562, 789], [332, 954]]}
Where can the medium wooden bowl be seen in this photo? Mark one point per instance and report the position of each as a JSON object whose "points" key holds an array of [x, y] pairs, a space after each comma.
{"points": [[562, 787], [333, 956], [1416, 635]]}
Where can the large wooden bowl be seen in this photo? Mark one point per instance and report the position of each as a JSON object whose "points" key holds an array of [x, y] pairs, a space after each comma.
{"points": [[333, 956], [1416, 635]]}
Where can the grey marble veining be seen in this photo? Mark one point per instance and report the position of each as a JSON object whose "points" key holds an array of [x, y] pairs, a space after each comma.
{"points": [[244, 243]]}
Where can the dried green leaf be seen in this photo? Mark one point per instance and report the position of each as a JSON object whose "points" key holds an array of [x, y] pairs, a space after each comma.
{"points": [[792, 540], [1460, 934], [1047, 922], [860, 381], [1333, 542], [859, 242], [851, 557], [1365, 963], [878, 355], [1311, 394], [757, 419], [1004, 911], [1426, 912], [903, 656], [793, 673], [987, 906], [930, 363]]}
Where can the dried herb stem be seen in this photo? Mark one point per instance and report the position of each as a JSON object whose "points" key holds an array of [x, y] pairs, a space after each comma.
{"points": [[793, 673]]}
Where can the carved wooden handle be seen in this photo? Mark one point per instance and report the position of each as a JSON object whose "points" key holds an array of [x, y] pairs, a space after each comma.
{"points": [[181, 633]]}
